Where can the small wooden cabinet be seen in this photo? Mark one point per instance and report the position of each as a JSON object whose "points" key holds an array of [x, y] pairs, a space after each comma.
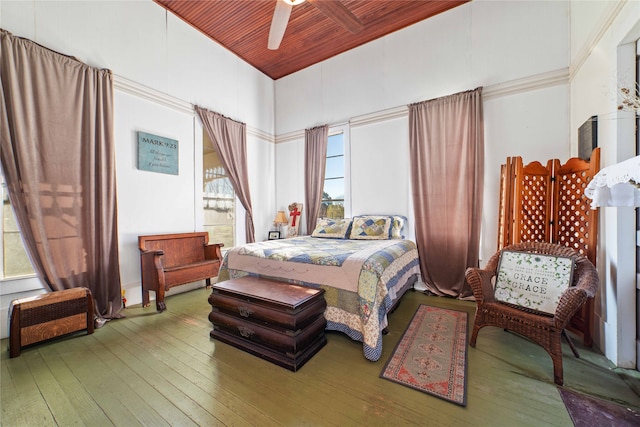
{"points": [[37, 319], [280, 322]]}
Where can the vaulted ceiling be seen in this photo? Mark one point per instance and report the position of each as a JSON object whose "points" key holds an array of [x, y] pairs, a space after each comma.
{"points": [[316, 29]]}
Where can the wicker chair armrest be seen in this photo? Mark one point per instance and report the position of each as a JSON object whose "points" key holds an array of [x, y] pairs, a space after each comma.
{"points": [[480, 282], [587, 277], [570, 302], [585, 286]]}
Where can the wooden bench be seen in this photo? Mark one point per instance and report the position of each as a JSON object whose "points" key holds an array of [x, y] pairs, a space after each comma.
{"points": [[169, 260]]}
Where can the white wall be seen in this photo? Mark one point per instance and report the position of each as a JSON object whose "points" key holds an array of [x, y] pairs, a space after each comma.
{"points": [[603, 38], [162, 67], [519, 53]]}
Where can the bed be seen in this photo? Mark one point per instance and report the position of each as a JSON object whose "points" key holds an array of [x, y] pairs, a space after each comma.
{"points": [[363, 264]]}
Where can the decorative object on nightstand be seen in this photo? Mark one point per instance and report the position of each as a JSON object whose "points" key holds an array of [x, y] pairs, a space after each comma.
{"points": [[279, 222], [274, 235], [295, 216]]}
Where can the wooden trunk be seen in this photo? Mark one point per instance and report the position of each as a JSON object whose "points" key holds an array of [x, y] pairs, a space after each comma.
{"points": [[47, 316], [280, 322]]}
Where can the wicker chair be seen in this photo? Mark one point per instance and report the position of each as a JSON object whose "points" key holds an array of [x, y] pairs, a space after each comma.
{"points": [[545, 330]]}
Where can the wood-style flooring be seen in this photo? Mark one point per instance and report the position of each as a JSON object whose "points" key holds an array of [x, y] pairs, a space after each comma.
{"points": [[153, 369]]}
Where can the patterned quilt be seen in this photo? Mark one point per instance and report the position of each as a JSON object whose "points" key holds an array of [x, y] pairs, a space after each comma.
{"points": [[362, 279]]}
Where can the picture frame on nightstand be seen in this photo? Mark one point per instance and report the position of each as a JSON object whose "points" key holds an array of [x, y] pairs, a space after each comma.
{"points": [[274, 235]]}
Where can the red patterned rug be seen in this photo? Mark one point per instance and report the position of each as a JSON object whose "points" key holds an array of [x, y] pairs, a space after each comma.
{"points": [[432, 354]]}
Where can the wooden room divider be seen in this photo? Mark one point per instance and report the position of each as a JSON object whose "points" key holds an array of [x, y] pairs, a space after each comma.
{"points": [[547, 204]]}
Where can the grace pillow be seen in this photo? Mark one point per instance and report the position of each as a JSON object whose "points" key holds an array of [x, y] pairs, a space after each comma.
{"points": [[370, 228], [332, 228]]}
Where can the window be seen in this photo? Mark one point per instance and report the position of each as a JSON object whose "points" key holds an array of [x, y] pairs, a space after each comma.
{"points": [[15, 261], [335, 194], [219, 199]]}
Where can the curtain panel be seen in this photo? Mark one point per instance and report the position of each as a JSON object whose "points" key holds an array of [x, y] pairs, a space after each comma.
{"points": [[315, 153], [446, 137], [229, 139], [57, 153]]}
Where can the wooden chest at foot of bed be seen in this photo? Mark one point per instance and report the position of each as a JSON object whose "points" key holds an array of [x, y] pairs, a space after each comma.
{"points": [[280, 322]]}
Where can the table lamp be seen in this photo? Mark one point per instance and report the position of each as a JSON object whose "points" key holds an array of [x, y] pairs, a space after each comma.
{"points": [[281, 218]]}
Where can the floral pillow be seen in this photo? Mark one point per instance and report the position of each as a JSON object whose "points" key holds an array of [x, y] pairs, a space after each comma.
{"points": [[332, 228], [371, 228]]}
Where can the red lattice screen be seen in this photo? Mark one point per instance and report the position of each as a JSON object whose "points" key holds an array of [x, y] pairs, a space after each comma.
{"points": [[575, 224], [532, 195]]}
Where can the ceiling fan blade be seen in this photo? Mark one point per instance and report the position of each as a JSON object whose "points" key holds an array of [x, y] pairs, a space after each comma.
{"points": [[339, 13], [278, 24]]}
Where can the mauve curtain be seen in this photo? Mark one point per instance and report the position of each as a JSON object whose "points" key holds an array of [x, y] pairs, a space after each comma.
{"points": [[315, 154], [229, 139], [447, 168], [57, 153]]}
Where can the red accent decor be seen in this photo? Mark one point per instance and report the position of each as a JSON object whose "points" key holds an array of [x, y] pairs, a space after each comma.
{"points": [[294, 213]]}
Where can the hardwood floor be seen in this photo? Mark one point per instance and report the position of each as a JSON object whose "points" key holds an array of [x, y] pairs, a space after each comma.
{"points": [[163, 369]]}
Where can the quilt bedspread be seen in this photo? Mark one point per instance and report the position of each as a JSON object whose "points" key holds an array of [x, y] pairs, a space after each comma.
{"points": [[361, 279]]}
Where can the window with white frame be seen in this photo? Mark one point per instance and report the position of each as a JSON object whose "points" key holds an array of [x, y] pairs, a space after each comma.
{"points": [[15, 261], [219, 199], [336, 190]]}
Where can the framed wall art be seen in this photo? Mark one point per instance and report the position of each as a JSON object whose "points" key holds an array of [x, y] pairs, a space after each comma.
{"points": [[157, 153], [274, 235]]}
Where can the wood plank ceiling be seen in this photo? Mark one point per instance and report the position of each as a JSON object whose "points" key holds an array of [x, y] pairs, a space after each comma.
{"points": [[242, 26]]}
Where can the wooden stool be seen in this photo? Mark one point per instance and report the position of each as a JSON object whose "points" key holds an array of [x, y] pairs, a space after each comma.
{"points": [[47, 316]]}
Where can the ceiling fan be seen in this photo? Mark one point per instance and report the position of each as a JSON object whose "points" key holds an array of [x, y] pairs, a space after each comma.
{"points": [[332, 8]]}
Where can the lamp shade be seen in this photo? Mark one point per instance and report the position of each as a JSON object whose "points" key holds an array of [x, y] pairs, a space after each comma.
{"points": [[281, 218], [616, 185]]}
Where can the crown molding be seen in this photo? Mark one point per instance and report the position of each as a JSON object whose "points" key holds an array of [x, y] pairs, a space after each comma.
{"points": [[260, 134], [538, 81], [535, 82], [291, 136], [608, 16], [526, 84], [380, 116], [141, 91]]}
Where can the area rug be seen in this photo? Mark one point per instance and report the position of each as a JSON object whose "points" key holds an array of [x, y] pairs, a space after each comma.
{"points": [[431, 356], [587, 411]]}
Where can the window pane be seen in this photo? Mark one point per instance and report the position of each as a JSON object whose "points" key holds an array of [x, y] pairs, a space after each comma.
{"points": [[334, 210], [219, 200], [334, 168], [15, 263], [334, 184], [333, 189], [335, 145]]}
